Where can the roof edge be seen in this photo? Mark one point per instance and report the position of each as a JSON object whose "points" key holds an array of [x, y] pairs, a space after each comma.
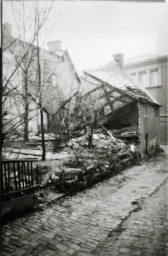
{"points": [[159, 58]]}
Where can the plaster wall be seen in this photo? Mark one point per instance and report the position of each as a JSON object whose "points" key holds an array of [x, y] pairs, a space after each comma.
{"points": [[159, 92], [149, 123]]}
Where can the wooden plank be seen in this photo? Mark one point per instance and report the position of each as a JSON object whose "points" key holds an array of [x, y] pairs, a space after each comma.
{"points": [[32, 173], [19, 174], [22, 153], [20, 160], [107, 97], [28, 174], [2, 177], [93, 90], [6, 179], [9, 183], [21, 190], [22, 171], [109, 85], [127, 136], [115, 98], [14, 171]]}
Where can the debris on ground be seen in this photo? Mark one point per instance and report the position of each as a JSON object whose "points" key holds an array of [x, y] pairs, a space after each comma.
{"points": [[130, 130], [79, 164], [85, 166]]}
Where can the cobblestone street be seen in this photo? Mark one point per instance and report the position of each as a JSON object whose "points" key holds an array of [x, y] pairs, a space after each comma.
{"points": [[125, 215]]}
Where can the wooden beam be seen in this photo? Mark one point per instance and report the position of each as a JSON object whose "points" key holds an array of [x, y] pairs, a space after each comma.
{"points": [[107, 97], [93, 90], [110, 115], [115, 98], [110, 86]]}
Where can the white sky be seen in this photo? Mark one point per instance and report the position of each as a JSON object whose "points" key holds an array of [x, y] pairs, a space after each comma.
{"points": [[93, 31]]}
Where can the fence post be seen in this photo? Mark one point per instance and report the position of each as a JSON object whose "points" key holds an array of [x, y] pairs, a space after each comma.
{"points": [[31, 173], [18, 177], [14, 171], [6, 181], [8, 164]]}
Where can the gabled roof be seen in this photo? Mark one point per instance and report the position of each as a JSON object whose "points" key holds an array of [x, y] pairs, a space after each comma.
{"points": [[118, 79]]}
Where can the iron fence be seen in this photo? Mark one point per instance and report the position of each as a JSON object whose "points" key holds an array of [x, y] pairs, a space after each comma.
{"points": [[19, 177]]}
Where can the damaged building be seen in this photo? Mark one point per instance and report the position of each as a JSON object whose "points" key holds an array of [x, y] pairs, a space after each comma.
{"points": [[122, 105]]}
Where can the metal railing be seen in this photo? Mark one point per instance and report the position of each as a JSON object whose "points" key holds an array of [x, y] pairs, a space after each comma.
{"points": [[19, 177]]}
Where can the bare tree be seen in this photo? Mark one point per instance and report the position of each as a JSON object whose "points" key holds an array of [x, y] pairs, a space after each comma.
{"points": [[29, 66], [39, 84], [24, 55], [88, 112]]}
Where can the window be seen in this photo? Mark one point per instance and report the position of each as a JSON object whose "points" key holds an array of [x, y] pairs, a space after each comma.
{"points": [[154, 77], [143, 78]]}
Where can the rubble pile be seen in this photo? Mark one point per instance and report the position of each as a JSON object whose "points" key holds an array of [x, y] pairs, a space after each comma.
{"points": [[86, 166]]}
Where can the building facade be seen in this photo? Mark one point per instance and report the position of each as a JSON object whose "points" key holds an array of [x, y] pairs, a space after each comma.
{"points": [[152, 73], [31, 83]]}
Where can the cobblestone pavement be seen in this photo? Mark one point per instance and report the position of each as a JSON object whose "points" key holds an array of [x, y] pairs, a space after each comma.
{"points": [[143, 232], [87, 223]]}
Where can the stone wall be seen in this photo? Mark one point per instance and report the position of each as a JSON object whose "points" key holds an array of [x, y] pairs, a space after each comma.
{"points": [[102, 165]]}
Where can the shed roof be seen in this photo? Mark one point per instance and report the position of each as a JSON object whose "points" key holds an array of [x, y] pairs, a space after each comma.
{"points": [[113, 75]]}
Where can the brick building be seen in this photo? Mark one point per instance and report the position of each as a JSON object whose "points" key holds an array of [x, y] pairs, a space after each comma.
{"points": [[152, 73]]}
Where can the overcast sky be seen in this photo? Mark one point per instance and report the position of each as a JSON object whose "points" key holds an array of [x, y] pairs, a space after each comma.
{"points": [[93, 31]]}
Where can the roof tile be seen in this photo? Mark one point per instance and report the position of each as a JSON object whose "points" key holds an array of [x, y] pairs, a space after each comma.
{"points": [[118, 78]]}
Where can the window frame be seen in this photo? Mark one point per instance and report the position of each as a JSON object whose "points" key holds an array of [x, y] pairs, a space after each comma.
{"points": [[147, 69], [150, 77], [147, 78]]}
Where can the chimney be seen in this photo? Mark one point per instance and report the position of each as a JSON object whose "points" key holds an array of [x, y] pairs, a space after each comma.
{"points": [[54, 46], [119, 58], [7, 29]]}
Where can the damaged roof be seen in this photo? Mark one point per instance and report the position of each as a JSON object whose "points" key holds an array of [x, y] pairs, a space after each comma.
{"points": [[113, 75]]}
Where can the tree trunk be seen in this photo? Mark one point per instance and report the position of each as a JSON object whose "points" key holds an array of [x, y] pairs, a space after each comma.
{"points": [[26, 113], [42, 133], [40, 102]]}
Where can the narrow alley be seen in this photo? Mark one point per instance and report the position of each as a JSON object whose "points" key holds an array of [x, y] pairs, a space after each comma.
{"points": [[124, 215]]}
